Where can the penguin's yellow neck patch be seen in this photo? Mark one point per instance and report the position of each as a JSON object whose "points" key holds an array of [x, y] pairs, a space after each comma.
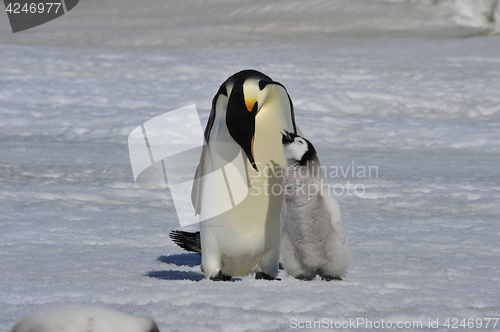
{"points": [[251, 93], [250, 103]]}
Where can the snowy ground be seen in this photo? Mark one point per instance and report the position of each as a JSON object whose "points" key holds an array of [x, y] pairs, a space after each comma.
{"points": [[425, 236]]}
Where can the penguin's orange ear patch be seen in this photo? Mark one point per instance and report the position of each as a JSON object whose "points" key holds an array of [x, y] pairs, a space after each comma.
{"points": [[250, 103]]}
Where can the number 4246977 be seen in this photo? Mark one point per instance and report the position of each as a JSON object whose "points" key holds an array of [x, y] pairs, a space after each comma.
{"points": [[455, 323], [33, 8]]}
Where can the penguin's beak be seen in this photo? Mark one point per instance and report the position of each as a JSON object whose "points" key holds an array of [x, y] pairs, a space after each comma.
{"points": [[286, 139], [240, 121]]}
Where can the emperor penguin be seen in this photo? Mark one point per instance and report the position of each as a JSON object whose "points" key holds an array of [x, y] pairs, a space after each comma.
{"points": [[248, 114], [313, 240], [83, 318]]}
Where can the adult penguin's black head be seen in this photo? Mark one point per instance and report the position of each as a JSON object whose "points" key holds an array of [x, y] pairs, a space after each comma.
{"points": [[247, 94]]}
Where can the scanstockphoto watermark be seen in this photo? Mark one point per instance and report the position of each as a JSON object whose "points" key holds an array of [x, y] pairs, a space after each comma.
{"points": [[366, 323], [334, 180], [165, 153], [356, 323]]}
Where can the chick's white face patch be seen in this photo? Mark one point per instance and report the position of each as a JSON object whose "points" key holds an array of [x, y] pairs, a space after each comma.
{"points": [[296, 149]]}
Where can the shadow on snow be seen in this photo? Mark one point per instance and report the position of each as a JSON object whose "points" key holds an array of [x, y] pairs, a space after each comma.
{"points": [[181, 260], [190, 260], [176, 275]]}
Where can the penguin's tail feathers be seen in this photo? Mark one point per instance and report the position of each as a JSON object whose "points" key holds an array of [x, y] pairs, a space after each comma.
{"points": [[189, 241]]}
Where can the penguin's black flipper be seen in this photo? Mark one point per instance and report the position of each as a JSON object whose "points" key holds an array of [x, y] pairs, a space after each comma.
{"points": [[189, 241]]}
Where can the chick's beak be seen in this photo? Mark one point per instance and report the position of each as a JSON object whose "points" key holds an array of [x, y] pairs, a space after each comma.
{"points": [[286, 138]]}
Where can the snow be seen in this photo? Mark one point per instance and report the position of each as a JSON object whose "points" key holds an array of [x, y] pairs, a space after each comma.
{"points": [[390, 85]]}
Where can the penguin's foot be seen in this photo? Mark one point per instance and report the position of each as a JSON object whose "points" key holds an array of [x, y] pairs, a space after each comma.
{"points": [[221, 277], [330, 278], [304, 278], [264, 276]]}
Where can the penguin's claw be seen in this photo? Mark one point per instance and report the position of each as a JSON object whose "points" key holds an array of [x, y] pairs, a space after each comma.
{"points": [[330, 278], [304, 278], [264, 276], [221, 277]]}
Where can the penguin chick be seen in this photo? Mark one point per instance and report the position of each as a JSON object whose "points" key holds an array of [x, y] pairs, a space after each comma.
{"points": [[312, 235], [78, 318]]}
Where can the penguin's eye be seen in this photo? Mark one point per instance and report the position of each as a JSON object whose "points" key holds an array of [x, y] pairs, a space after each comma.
{"points": [[300, 141]]}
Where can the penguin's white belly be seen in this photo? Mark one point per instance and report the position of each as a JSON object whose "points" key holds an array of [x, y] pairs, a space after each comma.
{"points": [[243, 235]]}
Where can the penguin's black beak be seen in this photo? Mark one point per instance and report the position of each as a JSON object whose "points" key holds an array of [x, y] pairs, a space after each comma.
{"points": [[240, 121], [287, 138]]}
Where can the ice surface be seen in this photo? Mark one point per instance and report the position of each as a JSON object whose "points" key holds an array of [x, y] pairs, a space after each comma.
{"points": [[215, 23], [423, 110]]}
